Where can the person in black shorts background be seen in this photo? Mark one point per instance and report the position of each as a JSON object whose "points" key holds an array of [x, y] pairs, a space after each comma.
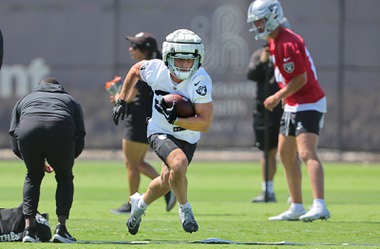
{"points": [[260, 70], [47, 126], [143, 46]]}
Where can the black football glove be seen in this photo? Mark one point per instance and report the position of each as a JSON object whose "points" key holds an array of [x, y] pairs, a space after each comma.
{"points": [[169, 113], [119, 111]]}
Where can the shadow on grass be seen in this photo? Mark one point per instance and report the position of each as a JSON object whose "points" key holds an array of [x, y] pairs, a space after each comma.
{"points": [[356, 222], [221, 241]]}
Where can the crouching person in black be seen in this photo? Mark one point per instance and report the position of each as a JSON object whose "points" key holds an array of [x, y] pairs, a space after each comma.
{"points": [[47, 127]]}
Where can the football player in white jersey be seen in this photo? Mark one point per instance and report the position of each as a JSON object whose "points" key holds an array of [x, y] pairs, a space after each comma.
{"points": [[174, 139]]}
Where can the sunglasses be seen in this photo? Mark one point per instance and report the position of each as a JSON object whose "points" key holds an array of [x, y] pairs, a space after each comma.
{"points": [[135, 46]]}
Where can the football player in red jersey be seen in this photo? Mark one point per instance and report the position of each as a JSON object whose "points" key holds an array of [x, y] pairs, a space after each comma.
{"points": [[304, 105]]}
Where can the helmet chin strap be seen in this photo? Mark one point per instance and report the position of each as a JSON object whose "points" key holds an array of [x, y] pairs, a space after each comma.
{"points": [[257, 37], [260, 36], [182, 74]]}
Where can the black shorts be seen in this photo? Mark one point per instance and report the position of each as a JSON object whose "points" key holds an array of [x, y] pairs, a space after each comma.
{"points": [[259, 127], [135, 129], [163, 144], [295, 123], [53, 140]]}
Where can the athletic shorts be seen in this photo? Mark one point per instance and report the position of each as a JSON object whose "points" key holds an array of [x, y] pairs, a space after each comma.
{"points": [[135, 129], [295, 123], [259, 127], [163, 144]]}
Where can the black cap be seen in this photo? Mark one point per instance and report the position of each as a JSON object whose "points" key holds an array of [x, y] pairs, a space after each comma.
{"points": [[49, 80], [146, 40]]}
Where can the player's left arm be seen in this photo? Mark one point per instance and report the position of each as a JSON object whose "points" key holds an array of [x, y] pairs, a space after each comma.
{"points": [[203, 119], [295, 84]]}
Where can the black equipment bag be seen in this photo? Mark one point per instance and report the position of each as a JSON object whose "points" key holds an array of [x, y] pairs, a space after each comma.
{"points": [[12, 224]]}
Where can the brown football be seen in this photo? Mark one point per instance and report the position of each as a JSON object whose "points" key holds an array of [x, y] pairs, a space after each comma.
{"points": [[184, 106]]}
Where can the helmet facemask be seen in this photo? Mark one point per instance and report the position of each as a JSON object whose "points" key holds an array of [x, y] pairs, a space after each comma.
{"points": [[183, 73], [261, 31]]}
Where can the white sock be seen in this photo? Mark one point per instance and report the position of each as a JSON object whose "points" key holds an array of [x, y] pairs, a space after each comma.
{"points": [[184, 206], [269, 184], [141, 204], [297, 207], [319, 202]]}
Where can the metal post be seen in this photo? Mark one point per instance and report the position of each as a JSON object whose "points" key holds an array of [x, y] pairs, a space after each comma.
{"points": [[268, 75], [116, 38], [340, 77]]}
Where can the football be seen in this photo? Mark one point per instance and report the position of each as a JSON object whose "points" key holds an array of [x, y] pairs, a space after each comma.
{"points": [[184, 106]]}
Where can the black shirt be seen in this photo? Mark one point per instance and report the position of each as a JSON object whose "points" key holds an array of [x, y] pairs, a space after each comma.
{"points": [[49, 102], [257, 71]]}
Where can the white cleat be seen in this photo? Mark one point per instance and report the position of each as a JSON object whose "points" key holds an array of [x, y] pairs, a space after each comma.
{"points": [[289, 215], [134, 220], [187, 219], [315, 213]]}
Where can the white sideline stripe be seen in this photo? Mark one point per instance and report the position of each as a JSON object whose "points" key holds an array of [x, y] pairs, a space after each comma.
{"points": [[223, 241]]}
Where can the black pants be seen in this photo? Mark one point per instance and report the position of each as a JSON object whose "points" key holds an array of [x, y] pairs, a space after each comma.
{"points": [[260, 127], [55, 142]]}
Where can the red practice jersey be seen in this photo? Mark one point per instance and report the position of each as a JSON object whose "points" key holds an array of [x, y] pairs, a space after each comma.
{"points": [[291, 58]]}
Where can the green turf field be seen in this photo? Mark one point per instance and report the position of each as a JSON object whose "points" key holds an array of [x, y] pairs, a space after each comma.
{"points": [[220, 194]]}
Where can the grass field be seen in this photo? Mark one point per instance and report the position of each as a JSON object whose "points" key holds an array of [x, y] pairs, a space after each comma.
{"points": [[220, 194]]}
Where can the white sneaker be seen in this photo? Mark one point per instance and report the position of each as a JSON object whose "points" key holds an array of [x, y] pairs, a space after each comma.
{"points": [[289, 214], [134, 220], [315, 213]]}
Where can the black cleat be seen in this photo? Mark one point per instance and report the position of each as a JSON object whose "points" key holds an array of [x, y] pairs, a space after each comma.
{"points": [[270, 197], [30, 235], [170, 200], [62, 235], [123, 209]]}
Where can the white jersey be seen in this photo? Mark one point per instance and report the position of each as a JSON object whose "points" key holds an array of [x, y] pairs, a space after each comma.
{"points": [[197, 89]]}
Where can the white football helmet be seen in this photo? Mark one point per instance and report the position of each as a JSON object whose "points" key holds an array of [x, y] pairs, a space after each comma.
{"points": [[183, 44], [270, 11]]}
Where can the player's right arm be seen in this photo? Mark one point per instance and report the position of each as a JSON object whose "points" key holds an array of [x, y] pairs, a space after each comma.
{"points": [[119, 111], [130, 80]]}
